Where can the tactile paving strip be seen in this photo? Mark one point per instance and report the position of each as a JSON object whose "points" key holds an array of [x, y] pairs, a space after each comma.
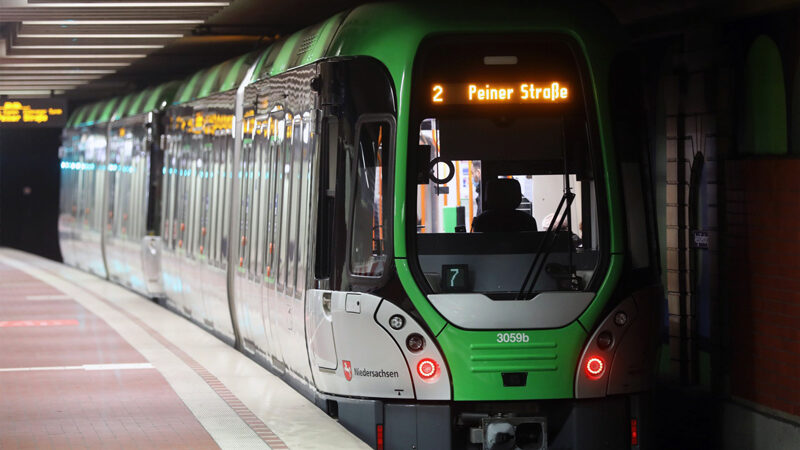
{"points": [[259, 427]]}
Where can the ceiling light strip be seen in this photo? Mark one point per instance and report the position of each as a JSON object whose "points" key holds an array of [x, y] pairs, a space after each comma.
{"points": [[38, 77], [72, 64], [100, 36], [130, 5], [113, 22], [71, 56], [25, 91], [76, 72], [86, 47]]}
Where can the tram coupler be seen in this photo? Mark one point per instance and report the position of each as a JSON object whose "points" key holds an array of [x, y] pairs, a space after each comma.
{"points": [[511, 433]]}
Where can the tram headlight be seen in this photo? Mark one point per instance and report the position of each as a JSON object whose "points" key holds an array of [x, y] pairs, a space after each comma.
{"points": [[415, 342], [397, 322], [605, 340]]}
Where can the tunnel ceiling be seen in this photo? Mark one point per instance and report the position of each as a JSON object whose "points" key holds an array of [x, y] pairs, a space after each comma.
{"points": [[96, 48]]}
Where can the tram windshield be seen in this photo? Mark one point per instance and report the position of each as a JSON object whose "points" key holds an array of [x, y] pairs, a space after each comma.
{"points": [[506, 195]]}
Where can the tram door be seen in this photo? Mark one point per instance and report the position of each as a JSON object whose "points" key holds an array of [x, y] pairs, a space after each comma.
{"points": [[356, 110]]}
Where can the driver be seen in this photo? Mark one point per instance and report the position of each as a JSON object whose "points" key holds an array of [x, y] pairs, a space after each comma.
{"points": [[502, 197]]}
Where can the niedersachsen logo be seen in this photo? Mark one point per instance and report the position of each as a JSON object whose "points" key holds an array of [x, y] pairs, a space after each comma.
{"points": [[376, 373], [349, 371]]}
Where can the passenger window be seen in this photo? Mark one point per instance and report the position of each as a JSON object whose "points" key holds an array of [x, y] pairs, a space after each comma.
{"points": [[367, 251]]}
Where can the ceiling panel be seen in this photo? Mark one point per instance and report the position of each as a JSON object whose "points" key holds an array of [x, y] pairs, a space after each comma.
{"points": [[65, 45]]}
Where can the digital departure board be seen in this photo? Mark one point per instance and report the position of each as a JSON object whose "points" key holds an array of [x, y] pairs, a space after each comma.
{"points": [[480, 93], [33, 113]]}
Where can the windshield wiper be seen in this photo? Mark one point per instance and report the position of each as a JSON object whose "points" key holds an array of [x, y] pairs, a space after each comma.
{"points": [[539, 259]]}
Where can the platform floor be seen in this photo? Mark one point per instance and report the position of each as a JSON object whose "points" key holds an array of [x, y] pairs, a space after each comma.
{"points": [[87, 364]]}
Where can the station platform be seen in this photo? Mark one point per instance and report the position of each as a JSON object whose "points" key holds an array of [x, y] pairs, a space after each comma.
{"points": [[85, 363]]}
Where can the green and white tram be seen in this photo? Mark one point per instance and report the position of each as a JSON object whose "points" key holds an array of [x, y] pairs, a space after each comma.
{"points": [[420, 218]]}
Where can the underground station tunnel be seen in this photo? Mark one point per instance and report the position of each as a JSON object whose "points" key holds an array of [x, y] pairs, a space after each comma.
{"points": [[413, 225]]}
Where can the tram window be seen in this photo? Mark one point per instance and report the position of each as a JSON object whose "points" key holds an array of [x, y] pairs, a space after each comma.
{"points": [[367, 250], [208, 200], [223, 219], [276, 174], [492, 188], [263, 150], [255, 174], [305, 206], [283, 170], [327, 189], [244, 188], [257, 214]]}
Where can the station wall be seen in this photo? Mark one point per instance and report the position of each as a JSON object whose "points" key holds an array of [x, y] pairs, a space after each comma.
{"points": [[723, 105]]}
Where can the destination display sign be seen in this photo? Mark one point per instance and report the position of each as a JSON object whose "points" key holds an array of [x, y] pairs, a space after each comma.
{"points": [[485, 93], [33, 113]]}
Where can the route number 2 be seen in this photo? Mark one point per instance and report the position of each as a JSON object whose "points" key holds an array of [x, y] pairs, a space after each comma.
{"points": [[513, 337], [438, 90]]}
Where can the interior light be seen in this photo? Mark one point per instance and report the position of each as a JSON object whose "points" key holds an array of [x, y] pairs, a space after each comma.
{"points": [[428, 370], [500, 60], [595, 367]]}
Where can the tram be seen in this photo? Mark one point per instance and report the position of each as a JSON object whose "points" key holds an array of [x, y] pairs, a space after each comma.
{"points": [[429, 220]]}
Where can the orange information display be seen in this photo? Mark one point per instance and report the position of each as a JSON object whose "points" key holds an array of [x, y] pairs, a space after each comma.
{"points": [[34, 113], [523, 92]]}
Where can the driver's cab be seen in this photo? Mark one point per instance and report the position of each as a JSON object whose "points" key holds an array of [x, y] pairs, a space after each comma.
{"points": [[506, 200]]}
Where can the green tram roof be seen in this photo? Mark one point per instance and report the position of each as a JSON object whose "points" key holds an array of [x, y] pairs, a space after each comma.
{"points": [[150, 99], [219, 78], [76, 116], [92, 113], [300, 48]]}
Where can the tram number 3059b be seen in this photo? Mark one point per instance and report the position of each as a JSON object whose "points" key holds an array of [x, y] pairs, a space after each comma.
{"points": [[513, 337]]}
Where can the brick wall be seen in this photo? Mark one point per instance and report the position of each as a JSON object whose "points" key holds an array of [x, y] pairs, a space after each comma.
{"points": [[762, 275]]}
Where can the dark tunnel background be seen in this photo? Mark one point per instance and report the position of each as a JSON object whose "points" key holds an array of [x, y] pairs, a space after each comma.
{"points": [[29, 186]]}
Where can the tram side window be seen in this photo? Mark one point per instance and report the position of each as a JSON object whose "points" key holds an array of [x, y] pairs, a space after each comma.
{"points": [[327, 190], [305, 207], [367, 250]]}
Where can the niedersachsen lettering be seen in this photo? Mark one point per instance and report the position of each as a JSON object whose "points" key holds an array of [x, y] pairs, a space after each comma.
{"points": [[376, 373]]}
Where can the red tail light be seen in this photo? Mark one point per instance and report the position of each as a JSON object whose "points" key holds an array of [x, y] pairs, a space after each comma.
{"points": [[428, 370], [379, 437], [634, 432], [595, 366]]}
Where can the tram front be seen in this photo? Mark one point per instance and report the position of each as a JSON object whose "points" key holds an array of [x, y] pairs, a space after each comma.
{"points": [[509, 237]]}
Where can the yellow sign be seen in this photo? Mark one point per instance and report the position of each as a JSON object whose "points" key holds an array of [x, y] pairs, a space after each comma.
{"points": [[201, 123], [498, 93], [39, 112]]}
